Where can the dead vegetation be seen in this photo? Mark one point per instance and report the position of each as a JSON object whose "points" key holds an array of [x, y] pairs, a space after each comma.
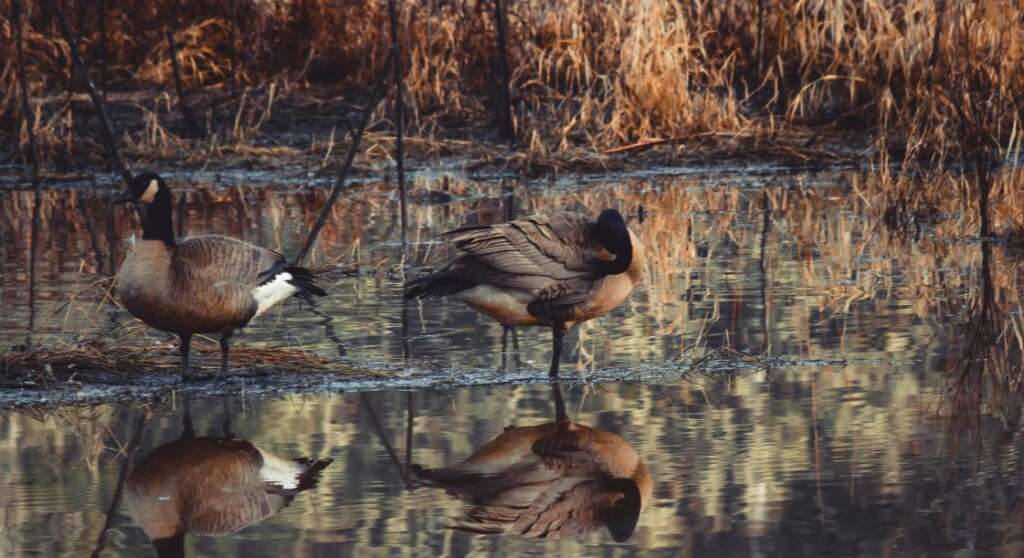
{"points": [[592, 83], [986, 376], [108, 358]]}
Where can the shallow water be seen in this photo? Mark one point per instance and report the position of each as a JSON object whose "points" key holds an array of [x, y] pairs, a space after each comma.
{"points": [[796, 380]]}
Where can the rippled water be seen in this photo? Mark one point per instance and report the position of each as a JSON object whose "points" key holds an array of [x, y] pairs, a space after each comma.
{"points": [[809, 385]]}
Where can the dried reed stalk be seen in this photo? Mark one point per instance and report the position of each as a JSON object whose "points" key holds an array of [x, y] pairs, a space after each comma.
{"points": [[357, 135]]}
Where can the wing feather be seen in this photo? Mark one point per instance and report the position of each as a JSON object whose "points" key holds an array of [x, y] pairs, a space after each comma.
{"points": [[552, 255], [216, 259]]}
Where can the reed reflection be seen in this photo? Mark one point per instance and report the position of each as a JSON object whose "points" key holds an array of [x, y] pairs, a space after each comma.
{"points": [[213, 486], [552, 480], [987, 374]]}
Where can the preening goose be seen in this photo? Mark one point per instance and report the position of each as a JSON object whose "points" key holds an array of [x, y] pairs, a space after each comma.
{"points": [[552, 480], [201, 284], [552, 270], [211, 486]]}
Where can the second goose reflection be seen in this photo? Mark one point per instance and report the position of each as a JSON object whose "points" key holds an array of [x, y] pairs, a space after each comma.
{"points": [[551, 480], [211, 486]]}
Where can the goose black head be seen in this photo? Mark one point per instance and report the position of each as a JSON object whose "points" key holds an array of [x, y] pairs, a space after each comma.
{"points": [[611, 233], [151, 190], [624, 514], [142, 189]]}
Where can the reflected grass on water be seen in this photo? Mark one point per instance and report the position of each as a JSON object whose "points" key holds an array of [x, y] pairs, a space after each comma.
{"points": [[852, 429]]}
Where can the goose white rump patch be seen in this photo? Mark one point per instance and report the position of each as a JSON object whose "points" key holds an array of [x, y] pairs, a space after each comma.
{"points": [[273, 291], [280, 472]]}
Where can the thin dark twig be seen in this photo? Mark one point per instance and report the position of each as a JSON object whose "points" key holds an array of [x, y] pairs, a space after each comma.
{"points": [[766, 224], [232, 36], [759, 45], [396, 56], [101, 16], [384, 439], [93, 237], [357, 136], [410, 409], [126, 468], [23, 85], [112, 241], [33, 157], [940, 17], [186, 111], [505, 107], [561, 415], [328, 322], [108, 136]]}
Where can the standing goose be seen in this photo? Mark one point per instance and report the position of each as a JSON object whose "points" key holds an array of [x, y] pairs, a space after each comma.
{"points": [[202, 284], [553, 270]]}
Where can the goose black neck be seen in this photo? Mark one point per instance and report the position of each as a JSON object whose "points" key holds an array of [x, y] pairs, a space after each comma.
{"points": [[159, 221]]}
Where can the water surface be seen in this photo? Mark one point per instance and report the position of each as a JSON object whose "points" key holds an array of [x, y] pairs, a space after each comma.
{"points": [[804, 381]]}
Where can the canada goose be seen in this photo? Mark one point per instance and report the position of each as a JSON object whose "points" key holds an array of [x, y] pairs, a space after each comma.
{"points": [[211, 486], [201, 284], [553, 270], [549, 481]]}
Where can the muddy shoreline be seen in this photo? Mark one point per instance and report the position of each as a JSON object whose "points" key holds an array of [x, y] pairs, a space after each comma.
{"points": [[90, 388]]}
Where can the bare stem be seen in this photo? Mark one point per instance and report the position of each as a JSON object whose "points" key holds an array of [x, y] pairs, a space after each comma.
{"points": [[108, 136], [505, 108], [186, 111], [396, 56], [33, 157], [357, 136]]}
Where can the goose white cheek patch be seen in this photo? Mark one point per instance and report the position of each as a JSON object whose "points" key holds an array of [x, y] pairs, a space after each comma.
{"points": [[150, 193]]}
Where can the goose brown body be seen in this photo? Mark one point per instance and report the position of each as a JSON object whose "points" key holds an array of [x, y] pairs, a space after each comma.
{"points": [[553, 270], [550, 480], [202, 284], [211, 486]]}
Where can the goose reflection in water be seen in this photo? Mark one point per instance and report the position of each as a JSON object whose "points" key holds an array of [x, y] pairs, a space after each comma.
{"points": [[211, 486], [553, 480]]}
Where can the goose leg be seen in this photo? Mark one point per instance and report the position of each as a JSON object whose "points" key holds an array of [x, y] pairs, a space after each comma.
{"points": [[557, 335], [515, 348], [225, 348], [187, 430], [556, 393], [504, 347], [186, 366], [505, 330], [227, 420]]}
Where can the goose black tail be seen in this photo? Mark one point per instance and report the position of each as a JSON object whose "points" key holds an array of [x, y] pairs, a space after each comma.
{"points": [[435, 284], [305, 280], [311, 476]]}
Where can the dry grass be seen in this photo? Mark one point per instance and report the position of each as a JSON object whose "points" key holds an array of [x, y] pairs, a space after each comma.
{"points": [[106, 356], [699, 79]]}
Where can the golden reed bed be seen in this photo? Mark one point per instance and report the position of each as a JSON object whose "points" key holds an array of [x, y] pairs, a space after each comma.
{"points": [[592, 83]]}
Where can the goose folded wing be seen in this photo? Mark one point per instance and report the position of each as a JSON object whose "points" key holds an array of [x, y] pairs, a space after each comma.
{"points": [[568, 508], [219, 259], [528, 254]]}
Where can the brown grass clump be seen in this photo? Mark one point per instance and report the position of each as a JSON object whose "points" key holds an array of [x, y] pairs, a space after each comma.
{"points": [[693, 79], [102, 356]]}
